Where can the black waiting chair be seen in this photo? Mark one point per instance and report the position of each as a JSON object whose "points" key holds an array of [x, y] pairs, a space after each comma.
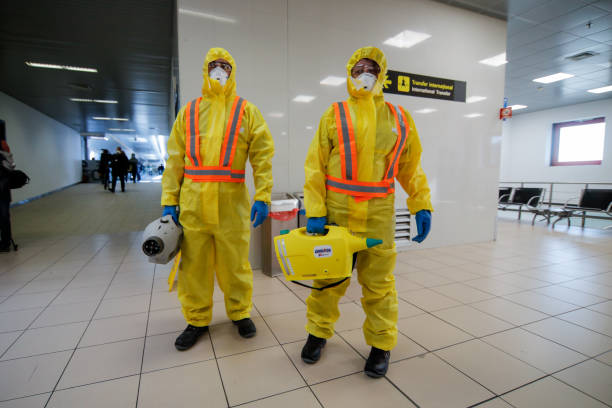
{"points": [[527, 198], [591, 200]]}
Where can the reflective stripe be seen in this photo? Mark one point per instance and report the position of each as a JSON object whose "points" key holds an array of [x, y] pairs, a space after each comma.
{"points": [[358, 188], [234, 129], [223, 172], [401, 125], [193, 134], [345, 140], [237, 174]]}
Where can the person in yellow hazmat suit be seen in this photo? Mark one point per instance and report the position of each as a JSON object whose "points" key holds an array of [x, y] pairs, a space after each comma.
{"points": [[362, 145], [212, 138]]}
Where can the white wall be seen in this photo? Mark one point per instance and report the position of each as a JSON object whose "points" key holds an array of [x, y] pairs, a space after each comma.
{"points": [[527, 141], [48, 151], [285, 47]]}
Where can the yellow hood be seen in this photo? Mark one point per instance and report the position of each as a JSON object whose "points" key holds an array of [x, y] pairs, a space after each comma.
{"points": [[374, 54], [211, 88]]}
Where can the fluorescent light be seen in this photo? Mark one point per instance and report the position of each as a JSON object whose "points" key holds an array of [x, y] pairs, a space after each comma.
{"points": [[304, 98], [309, 127], [517, 107], [559, 76], [473, 99], [333, 80], [162, 145], [601, 90], [284, 133], [56, 66], [98, 137], [473, 115], [276, 114], [425, 110], [207, 15], [495, 61], [406, 39], [140, 140], [121, 130], [105, 118], [92, 100]]}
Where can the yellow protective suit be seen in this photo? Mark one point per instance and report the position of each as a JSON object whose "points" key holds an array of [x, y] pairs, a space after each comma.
{"points": [[215, 215], [375, 140]]}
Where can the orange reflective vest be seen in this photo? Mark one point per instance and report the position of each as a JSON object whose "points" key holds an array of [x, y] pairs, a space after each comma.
{"points": [[223, 172], [348, 184]]}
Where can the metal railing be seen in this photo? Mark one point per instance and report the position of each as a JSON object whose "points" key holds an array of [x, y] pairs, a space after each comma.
{"points": [[559, 196]]}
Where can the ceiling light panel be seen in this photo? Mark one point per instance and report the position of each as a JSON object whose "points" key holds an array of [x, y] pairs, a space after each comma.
{"points": [[518, 107], [495, 61], [333, 80], [57, 66], [425, 110], [559, 76], [474, 99], [473, 115], [407, 39], [601, 90], [304, 98]]}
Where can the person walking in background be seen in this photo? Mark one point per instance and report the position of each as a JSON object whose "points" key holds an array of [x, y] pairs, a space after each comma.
{"points": [[133, 167], [6, 166], [119, 165], [103, 168]]}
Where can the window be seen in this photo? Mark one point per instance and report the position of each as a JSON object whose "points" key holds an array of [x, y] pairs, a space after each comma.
{"points": [[578, 142]]}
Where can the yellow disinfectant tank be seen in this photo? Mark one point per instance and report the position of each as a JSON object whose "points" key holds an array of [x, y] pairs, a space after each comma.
{"points": [[303, 256]]}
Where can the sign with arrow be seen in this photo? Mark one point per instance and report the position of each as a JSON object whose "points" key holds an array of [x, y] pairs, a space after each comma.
{"points": [[402, 83]]}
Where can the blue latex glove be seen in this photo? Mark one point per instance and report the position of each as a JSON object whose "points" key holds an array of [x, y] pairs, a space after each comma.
{"points": [[423, 223], [171, 210], [316, 225], [259, 213]]}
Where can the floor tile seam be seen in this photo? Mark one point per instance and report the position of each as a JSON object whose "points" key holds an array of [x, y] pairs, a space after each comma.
{"points": [[580, 325], [92, 383], [552, 375], [582, 291], [465, 374], [489, 314], [145, 372], [37, 316], [536, 310], [23, 397], [554, 341], [38, 274], [562, 300], [117, 316], [144, 345], [218, 368], [42, 248], [489, 400], [275, 395], [83, 334], [289, 358]]}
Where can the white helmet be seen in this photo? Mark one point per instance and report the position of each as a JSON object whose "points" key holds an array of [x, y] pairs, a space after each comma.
{"points": [[161, 240]]}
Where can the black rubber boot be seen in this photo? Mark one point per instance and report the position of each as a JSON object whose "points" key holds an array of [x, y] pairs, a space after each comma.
{"points": [[189, 336], [246, 327], [311, 352], [378, 363]]}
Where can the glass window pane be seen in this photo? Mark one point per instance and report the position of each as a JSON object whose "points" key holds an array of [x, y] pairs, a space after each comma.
{"points": [[582, 143]]}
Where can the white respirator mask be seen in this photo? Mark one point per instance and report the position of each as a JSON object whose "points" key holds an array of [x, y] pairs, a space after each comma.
{"points": [[364, 81], [219, 74]]}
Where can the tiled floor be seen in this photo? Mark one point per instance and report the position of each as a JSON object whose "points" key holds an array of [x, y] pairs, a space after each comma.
{"points": [[85, 321]]}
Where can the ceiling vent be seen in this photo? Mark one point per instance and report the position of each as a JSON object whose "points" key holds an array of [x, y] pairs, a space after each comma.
{"points": [[80, 87], [581, 56]]}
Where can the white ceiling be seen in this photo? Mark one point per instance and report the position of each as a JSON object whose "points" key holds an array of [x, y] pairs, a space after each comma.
{"points": [[542, 34]]}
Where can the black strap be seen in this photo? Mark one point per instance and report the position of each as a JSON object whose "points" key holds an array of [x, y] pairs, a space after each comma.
{"points": [[331, 285]]}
